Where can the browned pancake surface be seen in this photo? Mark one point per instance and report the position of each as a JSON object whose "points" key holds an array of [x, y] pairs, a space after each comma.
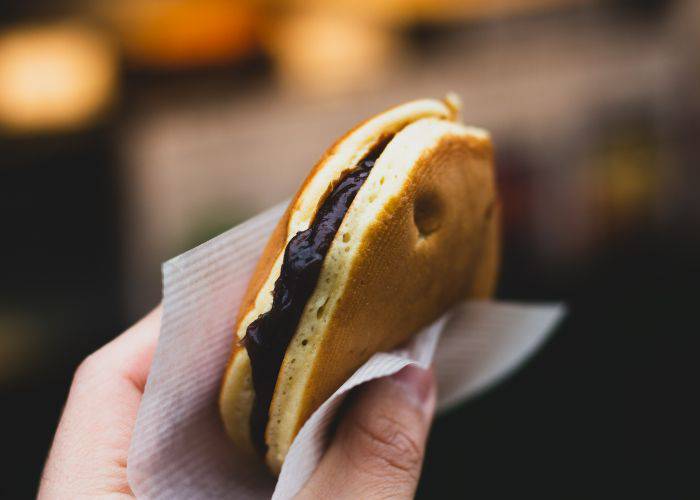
{"points": [[433, 243]]}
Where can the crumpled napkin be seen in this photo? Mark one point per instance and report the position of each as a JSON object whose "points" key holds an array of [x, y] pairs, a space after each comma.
{"points": [[179, 449]]}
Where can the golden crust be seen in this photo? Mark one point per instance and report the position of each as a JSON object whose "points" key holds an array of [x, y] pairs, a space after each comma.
{"points": [[390, 261], [343, 153], [402, 281], [399, 278]]}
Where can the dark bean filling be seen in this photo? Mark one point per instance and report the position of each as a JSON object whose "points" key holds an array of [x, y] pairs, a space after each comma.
{"points": [[267, 337]]}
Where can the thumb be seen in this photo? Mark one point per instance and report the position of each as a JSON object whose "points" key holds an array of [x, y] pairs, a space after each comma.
{"points": [[379, 445]]}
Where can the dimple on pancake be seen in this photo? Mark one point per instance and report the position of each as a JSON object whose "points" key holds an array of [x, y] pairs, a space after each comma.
{"points": [[421, 234]]}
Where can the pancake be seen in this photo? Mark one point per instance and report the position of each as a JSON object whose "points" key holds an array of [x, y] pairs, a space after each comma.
{"points": [[418, 234]]}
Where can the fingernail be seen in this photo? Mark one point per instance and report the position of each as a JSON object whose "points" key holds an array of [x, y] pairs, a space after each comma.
{"points": [[420, 386]]}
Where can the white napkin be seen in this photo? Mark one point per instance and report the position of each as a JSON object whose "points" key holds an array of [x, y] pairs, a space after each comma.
{"points": [[179, 449]]}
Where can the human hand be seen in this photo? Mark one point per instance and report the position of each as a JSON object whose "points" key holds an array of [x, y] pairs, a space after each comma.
{"points": [[88, 454], [377, 450]]}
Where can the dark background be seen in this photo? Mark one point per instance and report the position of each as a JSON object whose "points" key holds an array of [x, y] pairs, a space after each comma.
{"points": [[594, 109]]}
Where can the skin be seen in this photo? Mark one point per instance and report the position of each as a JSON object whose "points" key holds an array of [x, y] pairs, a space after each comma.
{"points": [[376, 452]]}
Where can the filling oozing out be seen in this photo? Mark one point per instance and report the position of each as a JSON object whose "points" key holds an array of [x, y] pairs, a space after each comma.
{"points": [[267, 337]]}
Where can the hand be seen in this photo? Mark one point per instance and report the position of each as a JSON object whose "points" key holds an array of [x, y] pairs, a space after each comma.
{"points": [[377, 450], [88, 455]]}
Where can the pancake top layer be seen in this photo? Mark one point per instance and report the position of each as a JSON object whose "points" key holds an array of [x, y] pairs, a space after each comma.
{"points": [[432, 166]]}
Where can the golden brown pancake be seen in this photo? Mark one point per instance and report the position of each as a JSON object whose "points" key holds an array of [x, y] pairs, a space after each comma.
{"points": [[421, 234]]}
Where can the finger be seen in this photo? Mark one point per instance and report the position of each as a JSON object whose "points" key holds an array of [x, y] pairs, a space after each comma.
{"points": [[132, 352], [88, 455], [379, 446]]}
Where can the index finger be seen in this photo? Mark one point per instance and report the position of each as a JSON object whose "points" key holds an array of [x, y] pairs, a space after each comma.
{"points": [[132, 351]]}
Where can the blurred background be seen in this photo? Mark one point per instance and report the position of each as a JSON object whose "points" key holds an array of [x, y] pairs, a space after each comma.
{"points": [[133, 130]]}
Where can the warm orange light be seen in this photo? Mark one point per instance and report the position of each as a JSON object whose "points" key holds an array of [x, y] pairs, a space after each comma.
{"points": [[182, 33], [53, 77], [329, 53]]}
